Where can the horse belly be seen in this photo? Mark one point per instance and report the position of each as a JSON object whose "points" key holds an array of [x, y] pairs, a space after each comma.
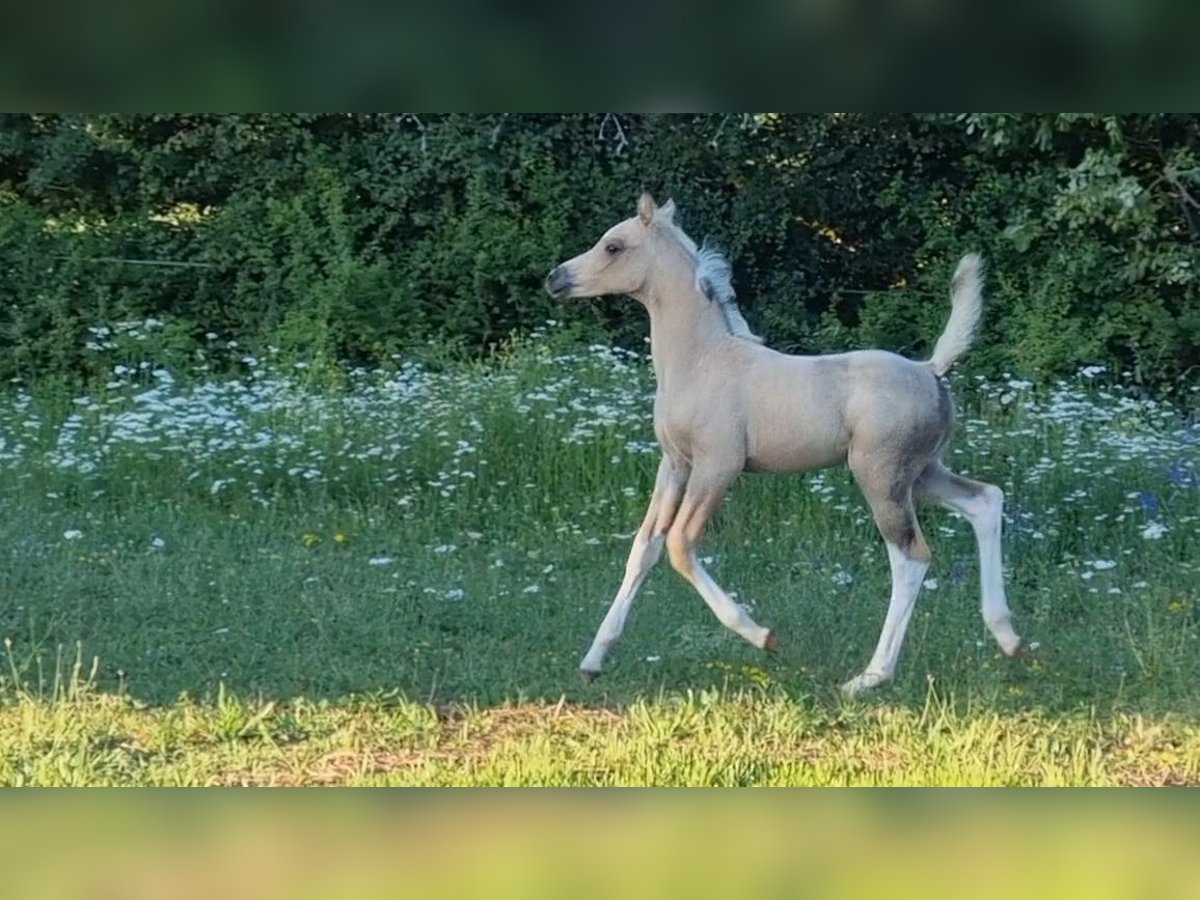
{"points": [[780, 446]]}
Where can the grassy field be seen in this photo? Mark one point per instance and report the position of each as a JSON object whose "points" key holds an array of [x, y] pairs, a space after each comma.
{"points": [[389, 578]]}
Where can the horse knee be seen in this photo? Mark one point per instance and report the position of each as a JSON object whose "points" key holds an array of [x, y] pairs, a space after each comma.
{"points": [[679, 553]]}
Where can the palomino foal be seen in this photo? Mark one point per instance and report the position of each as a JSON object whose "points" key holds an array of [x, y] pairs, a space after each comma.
{"points": [[726, 404]]}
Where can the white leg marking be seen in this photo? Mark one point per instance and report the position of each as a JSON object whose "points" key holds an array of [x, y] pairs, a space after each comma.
{"points": [[986, 516], [643, 556], [704, 493], [645, 552], [983, 506], [907, 574], [730, 614]]}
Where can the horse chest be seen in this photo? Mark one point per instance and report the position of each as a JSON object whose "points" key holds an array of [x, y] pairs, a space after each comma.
{"points": [[673, 435], [683, 428], [675, 427]]}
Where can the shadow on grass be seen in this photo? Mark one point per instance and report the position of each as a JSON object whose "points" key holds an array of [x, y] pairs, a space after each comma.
{"points": [[447, 661]]}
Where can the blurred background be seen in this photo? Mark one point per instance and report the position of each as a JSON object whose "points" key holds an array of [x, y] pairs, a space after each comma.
{"points": [[444, 844]]}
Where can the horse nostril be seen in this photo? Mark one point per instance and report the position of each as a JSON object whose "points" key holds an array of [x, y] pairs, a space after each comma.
{"points": [[558, 281]]}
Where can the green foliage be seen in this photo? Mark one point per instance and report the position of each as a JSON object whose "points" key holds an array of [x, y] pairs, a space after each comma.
{"points": [[352, 238], [1093, 240]]}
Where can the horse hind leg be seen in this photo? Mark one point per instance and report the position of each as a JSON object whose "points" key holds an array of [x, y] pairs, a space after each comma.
{"points": [[982, 505], [890, 499]]}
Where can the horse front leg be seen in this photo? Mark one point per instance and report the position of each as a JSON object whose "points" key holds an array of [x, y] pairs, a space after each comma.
{"points": [[646, 551], [704, 492]]}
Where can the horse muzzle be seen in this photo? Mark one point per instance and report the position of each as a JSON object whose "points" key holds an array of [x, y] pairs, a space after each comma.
{"points": [[558, 282]]}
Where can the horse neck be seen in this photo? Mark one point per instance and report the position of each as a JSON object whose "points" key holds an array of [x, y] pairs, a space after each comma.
{"points": [[684, 324]]}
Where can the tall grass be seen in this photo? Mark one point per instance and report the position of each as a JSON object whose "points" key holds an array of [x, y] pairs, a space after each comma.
{"points": [[435, 544]]}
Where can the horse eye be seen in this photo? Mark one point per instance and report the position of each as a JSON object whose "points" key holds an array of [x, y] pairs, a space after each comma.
{"points": [[612, 248]]}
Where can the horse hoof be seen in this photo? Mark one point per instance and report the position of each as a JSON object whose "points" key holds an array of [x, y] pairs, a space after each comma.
{"points": [[860, 684], [771, 644], [1025, 652], [588, 675]]}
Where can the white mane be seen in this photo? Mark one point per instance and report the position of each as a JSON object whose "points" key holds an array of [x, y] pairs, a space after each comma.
{"points": [[714, 279]]}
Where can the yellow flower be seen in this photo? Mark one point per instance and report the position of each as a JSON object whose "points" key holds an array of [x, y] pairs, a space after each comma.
{"points": [[753, 673], [757, 675], [310, 539], [340, 538], [1177, 606]]}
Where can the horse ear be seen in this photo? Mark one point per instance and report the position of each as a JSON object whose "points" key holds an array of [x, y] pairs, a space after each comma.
{"points": [[645, 209], [667, 210]]}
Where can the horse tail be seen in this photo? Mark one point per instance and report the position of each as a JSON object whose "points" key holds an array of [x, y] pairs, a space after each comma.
{"points": [[966, 307]]}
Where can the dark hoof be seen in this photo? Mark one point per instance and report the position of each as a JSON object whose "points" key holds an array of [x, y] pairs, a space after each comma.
{"points": [[1025, 652], [588, 675], [771, 644]]}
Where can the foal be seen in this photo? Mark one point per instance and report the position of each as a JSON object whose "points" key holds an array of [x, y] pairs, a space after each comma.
{"points": [[726, 404]]}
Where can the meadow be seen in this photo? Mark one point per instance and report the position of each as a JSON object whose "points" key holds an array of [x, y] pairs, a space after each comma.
{"points": [[307, 575]]}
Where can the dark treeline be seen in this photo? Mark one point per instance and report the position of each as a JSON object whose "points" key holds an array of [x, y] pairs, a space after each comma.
{"points": [[356, 237]]}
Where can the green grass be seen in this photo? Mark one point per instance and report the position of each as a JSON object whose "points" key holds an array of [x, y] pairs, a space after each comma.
{"points": [[707, 737], [414, 612]]}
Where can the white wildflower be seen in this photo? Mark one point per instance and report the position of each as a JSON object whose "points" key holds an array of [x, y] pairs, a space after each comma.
{"points": [[1154, 531]]}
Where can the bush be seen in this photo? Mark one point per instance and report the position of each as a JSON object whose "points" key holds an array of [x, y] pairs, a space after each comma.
{"points": [[354, 238]]}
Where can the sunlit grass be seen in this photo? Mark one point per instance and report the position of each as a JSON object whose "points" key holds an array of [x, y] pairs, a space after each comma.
{"points": [[718, 737]]}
